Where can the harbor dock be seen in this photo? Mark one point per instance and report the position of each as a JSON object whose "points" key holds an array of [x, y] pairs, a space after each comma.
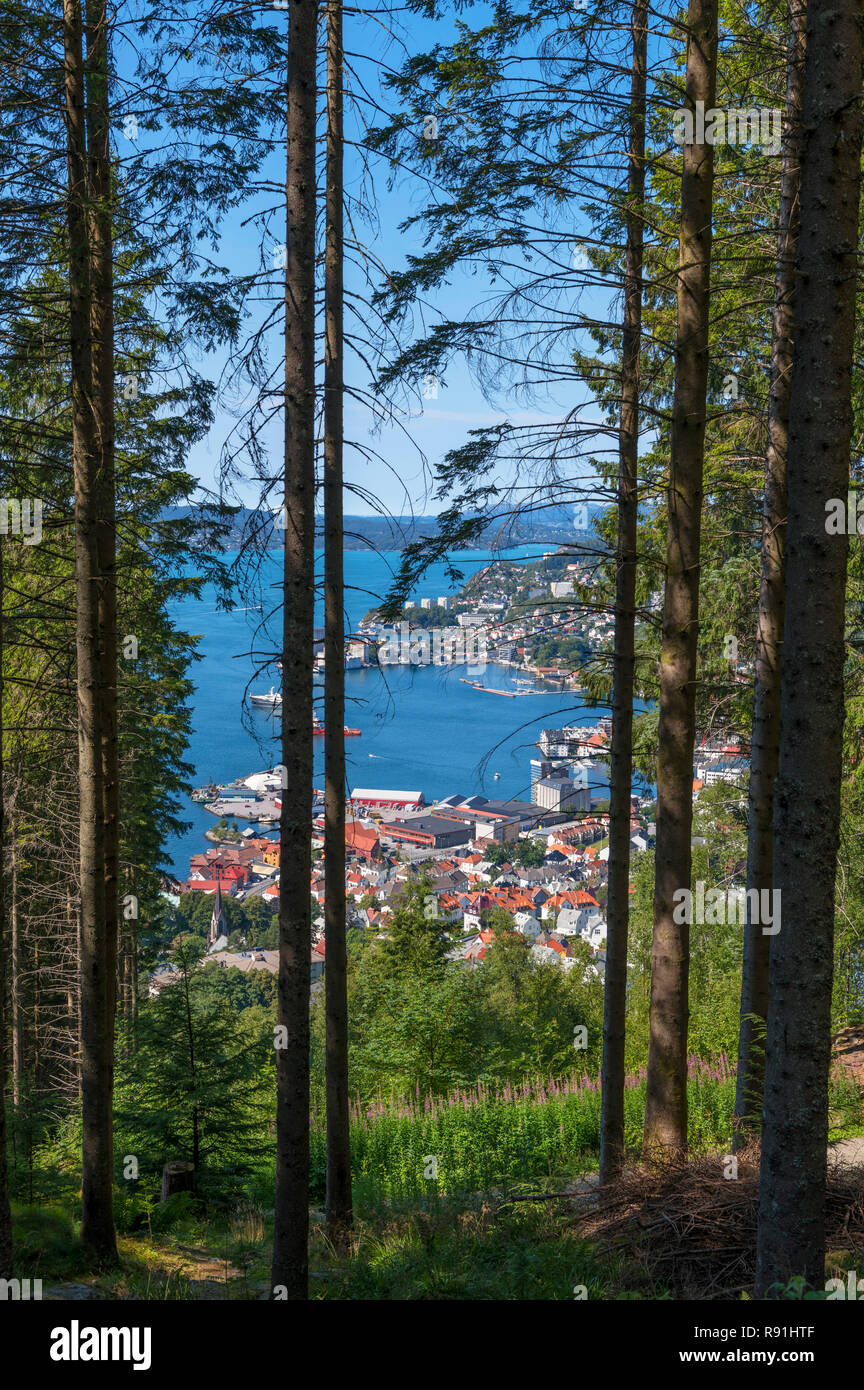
{"points": [[245, 808]]}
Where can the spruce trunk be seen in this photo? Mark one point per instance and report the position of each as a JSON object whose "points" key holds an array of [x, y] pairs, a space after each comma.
{"points": [[291, 1223], [623, 659], [102, 319], [666, 1090], [765, 743], [102, 342], [97, 1224], [791, 1230], [5, 1213], [339, 1216]]}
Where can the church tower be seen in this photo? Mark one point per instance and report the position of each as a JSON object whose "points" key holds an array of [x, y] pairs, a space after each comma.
{"points": [[218, 922]]}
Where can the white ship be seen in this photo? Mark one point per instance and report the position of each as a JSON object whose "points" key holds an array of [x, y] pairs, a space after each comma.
{"points": [[272, 700]]}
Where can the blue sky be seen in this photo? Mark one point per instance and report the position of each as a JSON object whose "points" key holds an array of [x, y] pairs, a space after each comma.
{"points": [[426, 428]]}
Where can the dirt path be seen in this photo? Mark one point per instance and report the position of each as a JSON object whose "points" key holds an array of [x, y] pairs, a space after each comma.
{"points": [[187, 1271], [209, 1277], [849, 1153], [849, 1054]]}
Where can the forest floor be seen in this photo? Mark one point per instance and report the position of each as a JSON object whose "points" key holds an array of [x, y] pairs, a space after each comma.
{"points": [[157, 1269], [451, 1252], [659, 1228], [664, 1233]]}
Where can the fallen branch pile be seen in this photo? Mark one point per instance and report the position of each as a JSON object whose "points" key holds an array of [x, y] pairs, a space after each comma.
{"points": [[686, 1227]]}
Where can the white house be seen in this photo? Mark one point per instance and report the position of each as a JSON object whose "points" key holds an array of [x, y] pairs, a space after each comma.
{"points": [[527, 924], [544, 954], [594, 932], [572, 921]]}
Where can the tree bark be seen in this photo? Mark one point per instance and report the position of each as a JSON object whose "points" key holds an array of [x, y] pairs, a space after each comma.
{"points": [[666, 1091], [623, 659], [100, 231], [17, 1012], [97, 1224], [193, 1077], [102, 342], [291, 1223], [5, 1213], [765, 743], [339, 1211], [791, 1232]]}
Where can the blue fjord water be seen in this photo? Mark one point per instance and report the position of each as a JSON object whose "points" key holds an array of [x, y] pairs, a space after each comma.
{"points": [[422, 730]]}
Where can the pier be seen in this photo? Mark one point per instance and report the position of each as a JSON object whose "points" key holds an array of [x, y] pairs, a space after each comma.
{"points": [[245, 808]]}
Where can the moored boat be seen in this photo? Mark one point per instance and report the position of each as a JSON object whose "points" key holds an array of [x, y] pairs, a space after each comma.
{"points": [[272, 700], [318, 728]]}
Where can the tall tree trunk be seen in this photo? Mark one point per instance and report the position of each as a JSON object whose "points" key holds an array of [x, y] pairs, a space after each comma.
{"points": [[193, 1077], [339, 1218], [97, 1224], [17, 1012], [102, 342], [791, 1233], [5, 1213], [77, 911], [291, 1224], [765, 745], [666, 1092], [623, 659], [100, 233]]}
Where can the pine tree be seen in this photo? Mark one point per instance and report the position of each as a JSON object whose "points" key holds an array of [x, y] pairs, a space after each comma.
{"points": [[765, 737], [5, 1213], [97, 1041], [791, 1232], [623, 660], [666, 1091], [339, 1205], [291, 1222]]}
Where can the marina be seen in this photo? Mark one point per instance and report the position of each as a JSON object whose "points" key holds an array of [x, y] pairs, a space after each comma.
{"points": [[493, 690]]}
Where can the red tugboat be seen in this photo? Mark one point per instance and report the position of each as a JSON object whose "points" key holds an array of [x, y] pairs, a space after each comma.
{"points": [[318, 728]]}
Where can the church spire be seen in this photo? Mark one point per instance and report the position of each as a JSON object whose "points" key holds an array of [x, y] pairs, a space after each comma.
{"points": [[218, 921]]}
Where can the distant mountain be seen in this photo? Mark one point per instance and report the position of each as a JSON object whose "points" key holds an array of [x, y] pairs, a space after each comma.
{"points": [[554, 525]]}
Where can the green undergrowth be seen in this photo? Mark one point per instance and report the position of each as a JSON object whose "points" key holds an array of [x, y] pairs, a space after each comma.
{"points": [[437, 1189], [474, 1141], [448, 1252]]}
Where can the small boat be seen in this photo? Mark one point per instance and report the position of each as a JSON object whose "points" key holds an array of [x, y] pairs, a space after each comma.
{"points": [[272, 700], [497, 775], [318, 728]]}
